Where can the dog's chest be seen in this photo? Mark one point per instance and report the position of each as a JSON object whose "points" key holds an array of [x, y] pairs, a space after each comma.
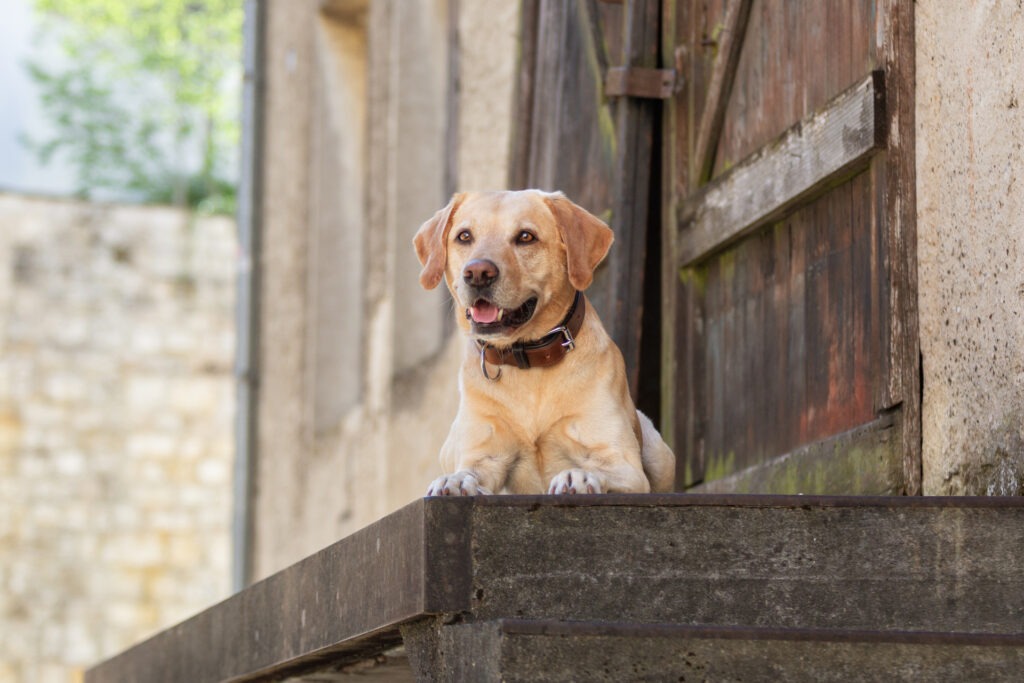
{"points": [[534, 401]]}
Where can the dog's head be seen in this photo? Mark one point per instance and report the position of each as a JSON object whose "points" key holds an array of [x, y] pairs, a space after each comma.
{"points": [[512, 260]]}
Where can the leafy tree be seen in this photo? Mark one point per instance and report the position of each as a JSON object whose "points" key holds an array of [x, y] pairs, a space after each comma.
{"points": [[144, 98]]}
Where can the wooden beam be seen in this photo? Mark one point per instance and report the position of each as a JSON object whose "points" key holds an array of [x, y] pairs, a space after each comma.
{"points": [[635, 120], [652, 84], [522, 107], [861, 461], [593, 19], [810, 157], [899, 220], [712, 118]]}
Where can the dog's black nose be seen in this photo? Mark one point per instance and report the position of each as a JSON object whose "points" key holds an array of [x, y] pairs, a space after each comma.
{"points": [[480, 272]]}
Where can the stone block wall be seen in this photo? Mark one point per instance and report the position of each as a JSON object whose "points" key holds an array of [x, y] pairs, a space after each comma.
{"points": [[116, 409]]}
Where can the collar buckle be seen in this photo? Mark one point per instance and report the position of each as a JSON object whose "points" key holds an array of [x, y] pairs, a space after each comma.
{"points": [[570, 342]]}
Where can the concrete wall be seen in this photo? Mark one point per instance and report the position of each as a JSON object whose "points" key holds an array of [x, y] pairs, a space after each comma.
{"points": [[344, 438], [116, 405], [970, 198], [326, 467]]}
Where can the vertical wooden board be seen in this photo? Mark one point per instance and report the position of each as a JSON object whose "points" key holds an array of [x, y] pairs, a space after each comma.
{"points": [[596, 150], [881, 308], [896, 18], [632, 205], [796, 314], [703, 30], [747, 285], [861, 223], [761, 266], [818, 318], [571, 131], [713, 343], [678, 433], [840, 285], [796, 56], [681, 331], [688, 29], [525, 90], [675, 349], [778, 389]]}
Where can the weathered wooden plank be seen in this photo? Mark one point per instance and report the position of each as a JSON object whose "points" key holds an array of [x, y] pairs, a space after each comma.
{"points": [[811, 156], [654, 84], [597, 36], [566, 139], [796, 57], [730, 44], [566, 51], [674, 357], [522, 115], [631, 192], [899, 221], [863, 460]]}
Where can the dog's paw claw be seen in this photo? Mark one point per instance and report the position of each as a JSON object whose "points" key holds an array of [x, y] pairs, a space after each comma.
{"points": [[574, 481], [462, 483]]}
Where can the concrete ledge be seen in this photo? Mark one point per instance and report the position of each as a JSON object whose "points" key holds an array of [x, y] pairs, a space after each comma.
{"points": [[873, 564], [344, 603]]}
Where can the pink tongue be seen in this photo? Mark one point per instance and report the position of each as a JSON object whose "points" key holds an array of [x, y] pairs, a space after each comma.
{"points": [[484, 312]]}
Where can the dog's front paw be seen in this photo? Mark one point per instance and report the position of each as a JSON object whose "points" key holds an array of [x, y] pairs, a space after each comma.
{"points": [[462, 483], [575, 481]]}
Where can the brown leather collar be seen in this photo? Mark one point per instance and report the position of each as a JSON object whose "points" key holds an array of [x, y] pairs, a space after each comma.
{"points": [[545, 352]]}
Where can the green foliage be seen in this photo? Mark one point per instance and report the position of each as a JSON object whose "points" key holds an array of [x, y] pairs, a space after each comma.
{"points": [[144, 99]]}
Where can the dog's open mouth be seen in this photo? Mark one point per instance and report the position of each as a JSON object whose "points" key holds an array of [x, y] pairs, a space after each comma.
{"points": [[488, 318]]}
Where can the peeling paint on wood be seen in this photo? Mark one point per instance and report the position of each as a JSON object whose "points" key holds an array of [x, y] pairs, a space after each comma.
{"points": [[790, 317]]}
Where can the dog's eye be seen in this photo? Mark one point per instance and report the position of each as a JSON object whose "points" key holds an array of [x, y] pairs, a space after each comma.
{"points": [[464, 236], [525, 237]]}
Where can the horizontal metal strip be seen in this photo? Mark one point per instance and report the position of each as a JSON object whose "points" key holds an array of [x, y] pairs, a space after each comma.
{"points": [[599, 629], [808, 158]]}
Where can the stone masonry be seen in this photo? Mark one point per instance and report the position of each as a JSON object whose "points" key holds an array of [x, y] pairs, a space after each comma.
{"points": [[116, 408]]}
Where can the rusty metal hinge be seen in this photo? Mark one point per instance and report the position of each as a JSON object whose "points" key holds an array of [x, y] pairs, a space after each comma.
{"points": [[632, 81]]}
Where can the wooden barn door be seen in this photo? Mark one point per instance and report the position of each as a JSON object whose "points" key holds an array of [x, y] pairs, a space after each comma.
{"points": [[789, 251], [586, 123]]}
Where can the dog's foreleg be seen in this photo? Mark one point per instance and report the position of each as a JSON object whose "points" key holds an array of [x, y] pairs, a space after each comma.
{"points": [[476, 459]]}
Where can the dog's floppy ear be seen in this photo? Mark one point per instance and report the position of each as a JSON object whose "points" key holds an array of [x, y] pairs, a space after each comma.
{"points": [[586, 237], [430, 243]]}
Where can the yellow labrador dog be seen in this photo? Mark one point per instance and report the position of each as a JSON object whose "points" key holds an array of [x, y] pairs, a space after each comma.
{"points": [[544, 400]]}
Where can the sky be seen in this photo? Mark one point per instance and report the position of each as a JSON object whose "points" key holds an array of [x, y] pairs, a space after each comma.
{"points": [[20, 112]]}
